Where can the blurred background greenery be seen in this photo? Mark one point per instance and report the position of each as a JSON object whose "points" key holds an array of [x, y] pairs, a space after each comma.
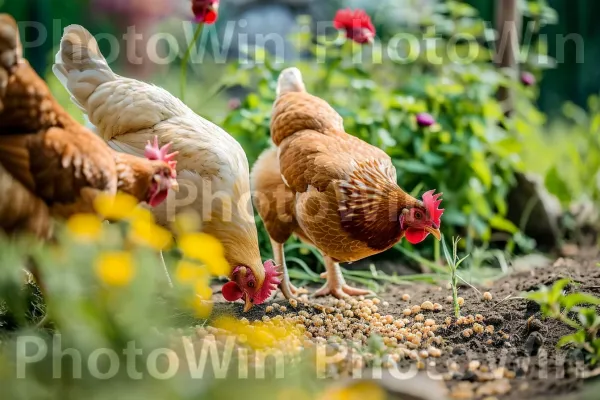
{"points": [[569, 81]]}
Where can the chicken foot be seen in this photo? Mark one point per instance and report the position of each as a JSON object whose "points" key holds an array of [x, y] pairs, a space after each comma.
{"points": [[288, 290], [336, 284]]}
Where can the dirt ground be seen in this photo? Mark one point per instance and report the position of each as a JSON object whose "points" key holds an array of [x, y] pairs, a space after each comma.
{"points": [[523, 344]]}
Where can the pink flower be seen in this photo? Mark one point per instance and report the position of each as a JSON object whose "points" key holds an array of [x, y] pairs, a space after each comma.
{"points": [[425, 119], [234, 103], [528, 79], [357, 24], [205, 11]]}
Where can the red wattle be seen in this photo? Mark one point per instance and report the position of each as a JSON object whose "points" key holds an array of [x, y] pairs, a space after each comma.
{"points": [[231, 291], [158, 198], [415, 236]]}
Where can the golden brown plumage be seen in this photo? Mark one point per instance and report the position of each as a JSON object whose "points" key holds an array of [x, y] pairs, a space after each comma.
{"points": [[341, 193], [54, 158]]}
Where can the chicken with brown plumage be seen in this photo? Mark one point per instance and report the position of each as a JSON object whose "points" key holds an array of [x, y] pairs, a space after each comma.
{"points": [[50, 164], [331, 189]]}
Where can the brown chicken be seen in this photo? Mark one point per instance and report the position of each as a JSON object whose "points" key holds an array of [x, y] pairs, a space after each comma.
{"points": [[331, 189], [51, 165]]}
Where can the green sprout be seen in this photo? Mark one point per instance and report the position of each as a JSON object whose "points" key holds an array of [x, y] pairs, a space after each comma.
{"points": [[453, 263], [554, 303]]}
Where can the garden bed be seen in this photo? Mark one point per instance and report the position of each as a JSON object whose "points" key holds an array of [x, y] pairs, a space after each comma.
{"points": [[515, 359]]}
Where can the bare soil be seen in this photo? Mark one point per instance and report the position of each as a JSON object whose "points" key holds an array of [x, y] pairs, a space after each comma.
{"points": [[524, 344]]}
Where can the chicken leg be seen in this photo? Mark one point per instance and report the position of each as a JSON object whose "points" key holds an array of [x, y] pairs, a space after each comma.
{"points": [[336, 284], [288, 290]]}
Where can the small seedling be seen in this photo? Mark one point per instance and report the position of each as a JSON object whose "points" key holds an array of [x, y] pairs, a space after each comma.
{"points": [[453, 263], [554, 303]]}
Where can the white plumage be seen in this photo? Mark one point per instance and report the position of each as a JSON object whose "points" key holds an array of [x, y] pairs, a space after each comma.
{"points": [[212, 166]]}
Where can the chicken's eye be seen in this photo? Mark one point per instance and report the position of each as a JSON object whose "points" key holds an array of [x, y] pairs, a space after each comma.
{"points": [[251, 285], [418, 215]]}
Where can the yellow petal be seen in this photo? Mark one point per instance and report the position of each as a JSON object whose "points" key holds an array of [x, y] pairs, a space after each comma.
{"points": [[187, 222], [142, 214], [148, 234], [218, 267], [202, 308], [202, 290], [85, 227], [188, 272], [357, 391], [200, 246], [116, 207], [115, 268]]}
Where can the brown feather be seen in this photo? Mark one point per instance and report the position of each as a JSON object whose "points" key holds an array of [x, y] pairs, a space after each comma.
{"points": [[346, 199], [51, 158]]}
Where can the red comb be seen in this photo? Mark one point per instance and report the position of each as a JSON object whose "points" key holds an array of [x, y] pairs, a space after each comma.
{"points": [[271, 283], [432, 203], [155, 152]]}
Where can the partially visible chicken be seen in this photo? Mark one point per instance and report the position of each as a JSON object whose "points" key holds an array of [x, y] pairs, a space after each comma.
{"points": [[20, 210], [50, 164], [213, 168], [331, 189]]}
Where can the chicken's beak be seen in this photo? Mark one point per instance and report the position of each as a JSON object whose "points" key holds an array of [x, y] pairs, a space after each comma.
{"points": [[174, 185], [434, 231], [248, 304]]}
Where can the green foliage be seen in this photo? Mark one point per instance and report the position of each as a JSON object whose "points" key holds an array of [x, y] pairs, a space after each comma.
{"points": [[470, 154], [555, 303], [571, 148]]}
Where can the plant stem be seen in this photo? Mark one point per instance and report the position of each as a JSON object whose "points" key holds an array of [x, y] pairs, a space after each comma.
{"points": [[455, 293], [186, 59]]}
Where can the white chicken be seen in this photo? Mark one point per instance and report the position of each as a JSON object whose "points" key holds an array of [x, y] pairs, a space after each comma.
{"points": [[212, 167]]}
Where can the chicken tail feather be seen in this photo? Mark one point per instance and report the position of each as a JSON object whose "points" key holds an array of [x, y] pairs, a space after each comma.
{"points": [[80, 66], [296, 110], [290, 81]]}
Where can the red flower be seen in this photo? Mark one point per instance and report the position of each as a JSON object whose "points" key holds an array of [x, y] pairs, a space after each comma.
{"points": [[205, 11], [357, 25]]}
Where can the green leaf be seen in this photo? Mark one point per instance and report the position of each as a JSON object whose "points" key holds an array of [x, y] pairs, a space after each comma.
{"points": [[556, 290], [557, 186], [413, 166], [502, 224], [482, 170], [253, 101], [578, 337], [588, 318], [540, 297], [595, 126], [447, 255], [575, 299]]}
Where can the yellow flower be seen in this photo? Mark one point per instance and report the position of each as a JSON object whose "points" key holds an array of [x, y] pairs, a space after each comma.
{"points": [[203, 290], [356, 391], [146, 233], [186, 222], [115, 268], [85, 227], [207, 249], [189, 273], [202, 308], [115, 208], [272, 335], [142, 214]]}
